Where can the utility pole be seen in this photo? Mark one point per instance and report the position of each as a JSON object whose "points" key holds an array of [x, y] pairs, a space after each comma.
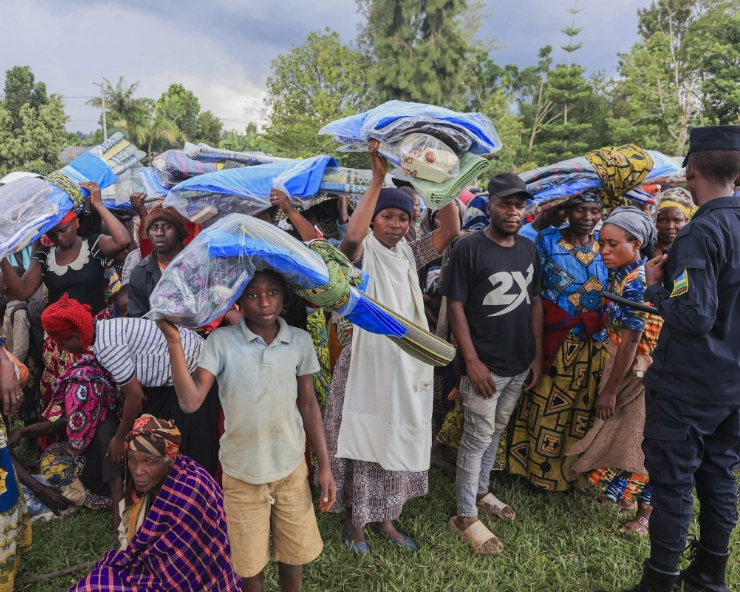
{"points": [[102, 105]]}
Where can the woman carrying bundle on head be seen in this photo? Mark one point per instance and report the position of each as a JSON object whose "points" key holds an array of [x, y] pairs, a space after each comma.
{"points": [[378, 414], [72, 265], [558, 412], [611, 454]]}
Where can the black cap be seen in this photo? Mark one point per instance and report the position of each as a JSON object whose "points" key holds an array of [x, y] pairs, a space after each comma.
{"points": [[506, 184], [713, 137]]}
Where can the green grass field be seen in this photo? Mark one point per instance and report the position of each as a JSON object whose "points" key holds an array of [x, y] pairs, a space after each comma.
{"points": [[562, 542]]}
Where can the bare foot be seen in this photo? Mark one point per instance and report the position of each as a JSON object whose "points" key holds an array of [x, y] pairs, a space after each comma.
{"points": [[438, 460], [355, 534]]}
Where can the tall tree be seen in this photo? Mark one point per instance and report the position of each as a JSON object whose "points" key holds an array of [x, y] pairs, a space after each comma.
{"points": [[209, 129], [157, 129], [182, 107], [314, 83], [718, 50], [32, 131], [420, 50], [534, 105], [658, 94], [22, 89], [124, 111]]}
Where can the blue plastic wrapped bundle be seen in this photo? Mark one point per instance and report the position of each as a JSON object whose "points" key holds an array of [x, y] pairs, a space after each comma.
{"points": [[392, 121], [204, 153], [208, 277], [177, 164], [30, 207], [247, 190], [570, 177]]}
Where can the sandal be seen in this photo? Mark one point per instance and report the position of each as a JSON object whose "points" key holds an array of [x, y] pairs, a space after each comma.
{"points": [[639, 526], [481, 540], [490, 505]]}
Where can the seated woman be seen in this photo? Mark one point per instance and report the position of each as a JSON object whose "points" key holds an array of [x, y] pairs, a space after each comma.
{"points": [[85, 409], [173, 528], [135, 354]]}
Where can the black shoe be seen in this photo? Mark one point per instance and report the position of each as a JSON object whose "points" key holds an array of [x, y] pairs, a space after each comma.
{"points": [[653, 580], [706, 572]]}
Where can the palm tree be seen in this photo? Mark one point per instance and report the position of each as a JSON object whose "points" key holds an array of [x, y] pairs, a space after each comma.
{"points": [[121, 103], [157, 128]]}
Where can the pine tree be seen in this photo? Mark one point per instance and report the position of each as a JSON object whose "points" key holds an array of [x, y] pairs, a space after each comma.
{"points": [[420, 50]]}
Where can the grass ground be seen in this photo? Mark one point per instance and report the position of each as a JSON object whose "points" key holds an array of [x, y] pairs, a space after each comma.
{"points": [[562, 542]]}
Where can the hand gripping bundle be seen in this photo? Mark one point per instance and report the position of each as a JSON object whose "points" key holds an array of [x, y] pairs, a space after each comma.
{"points": [[208, 277], [440, 150], [29, 207]]}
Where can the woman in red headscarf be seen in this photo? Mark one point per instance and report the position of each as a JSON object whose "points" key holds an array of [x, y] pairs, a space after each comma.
{"points": [[73, 265]]}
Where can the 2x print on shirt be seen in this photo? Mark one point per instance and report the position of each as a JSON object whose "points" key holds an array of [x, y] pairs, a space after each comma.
{"points": [[497, 285]]}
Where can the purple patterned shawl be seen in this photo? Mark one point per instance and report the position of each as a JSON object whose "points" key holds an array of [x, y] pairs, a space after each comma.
{"points": [[181, 546]]}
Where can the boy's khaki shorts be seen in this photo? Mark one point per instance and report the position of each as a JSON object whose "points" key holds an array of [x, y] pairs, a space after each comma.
{"points": [[250, 517]]}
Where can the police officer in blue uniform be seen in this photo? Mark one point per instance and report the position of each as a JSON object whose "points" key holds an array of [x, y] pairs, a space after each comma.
{"points": [[692, 401]]}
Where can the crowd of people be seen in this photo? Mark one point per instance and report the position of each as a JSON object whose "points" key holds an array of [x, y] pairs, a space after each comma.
{"points": [[595, 353]]}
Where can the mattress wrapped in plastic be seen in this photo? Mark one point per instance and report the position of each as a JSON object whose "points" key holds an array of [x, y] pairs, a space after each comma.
{"points": [[394, 120], [29, 207], [208, 277], [204, 153]]}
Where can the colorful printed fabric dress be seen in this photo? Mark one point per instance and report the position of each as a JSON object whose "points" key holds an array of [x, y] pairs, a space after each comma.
{"points": [[15, 522], [620, 443], [559, 411]]}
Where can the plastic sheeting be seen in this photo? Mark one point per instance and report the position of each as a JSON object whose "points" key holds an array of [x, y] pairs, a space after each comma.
{"points": [[570, 177], [247, 190], [204, 153], [391, 121], [29, 210], [208, 277], [177, 164]]}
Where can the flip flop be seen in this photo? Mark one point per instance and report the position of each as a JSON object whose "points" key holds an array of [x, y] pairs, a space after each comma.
{"points": [[490, 505], [477, 535]]}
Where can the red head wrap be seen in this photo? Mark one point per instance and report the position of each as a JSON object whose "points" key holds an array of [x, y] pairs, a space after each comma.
{"points": [[66, 317]]}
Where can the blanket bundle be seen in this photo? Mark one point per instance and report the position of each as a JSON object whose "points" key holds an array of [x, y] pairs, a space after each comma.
{"points": [[208, 277], [441, 151], [30, 206]]}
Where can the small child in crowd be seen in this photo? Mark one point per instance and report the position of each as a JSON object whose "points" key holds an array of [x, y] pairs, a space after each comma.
{"points": [[16, 325], [264, 370]]}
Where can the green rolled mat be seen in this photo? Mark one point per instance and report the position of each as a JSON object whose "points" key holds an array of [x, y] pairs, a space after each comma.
{"points": [[437, 195], [420, 343]]}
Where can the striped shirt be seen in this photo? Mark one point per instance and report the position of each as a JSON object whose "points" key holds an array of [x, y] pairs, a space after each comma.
{"points": [[129, 347]]}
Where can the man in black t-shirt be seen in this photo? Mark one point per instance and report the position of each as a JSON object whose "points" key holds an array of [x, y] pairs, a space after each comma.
{"points": [[492, 287]]}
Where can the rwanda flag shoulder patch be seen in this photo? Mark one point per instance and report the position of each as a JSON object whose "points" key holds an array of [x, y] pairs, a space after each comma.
{"points": [[681, 284]]}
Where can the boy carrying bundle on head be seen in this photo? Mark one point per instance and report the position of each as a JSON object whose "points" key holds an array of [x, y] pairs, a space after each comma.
{"points": [[265, 372]]}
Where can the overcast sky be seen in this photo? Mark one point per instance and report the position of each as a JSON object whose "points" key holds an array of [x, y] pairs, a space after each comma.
{"points": [[221, 49]]}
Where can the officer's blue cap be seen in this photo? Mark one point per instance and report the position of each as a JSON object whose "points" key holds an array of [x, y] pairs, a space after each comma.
{"points": [[713, 137]]}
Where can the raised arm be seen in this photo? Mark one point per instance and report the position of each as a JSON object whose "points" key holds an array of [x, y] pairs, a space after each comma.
{"points": [[119, 238], [191, 389], [22, 288], [449, 229], [351, 244], [299, 222]]}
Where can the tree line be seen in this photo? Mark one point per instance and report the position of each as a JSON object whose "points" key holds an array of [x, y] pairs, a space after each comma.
{"points": [[683, 71]]}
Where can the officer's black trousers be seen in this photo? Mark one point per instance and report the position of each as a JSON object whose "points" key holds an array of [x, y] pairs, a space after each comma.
{"points": [[687, 446]]}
